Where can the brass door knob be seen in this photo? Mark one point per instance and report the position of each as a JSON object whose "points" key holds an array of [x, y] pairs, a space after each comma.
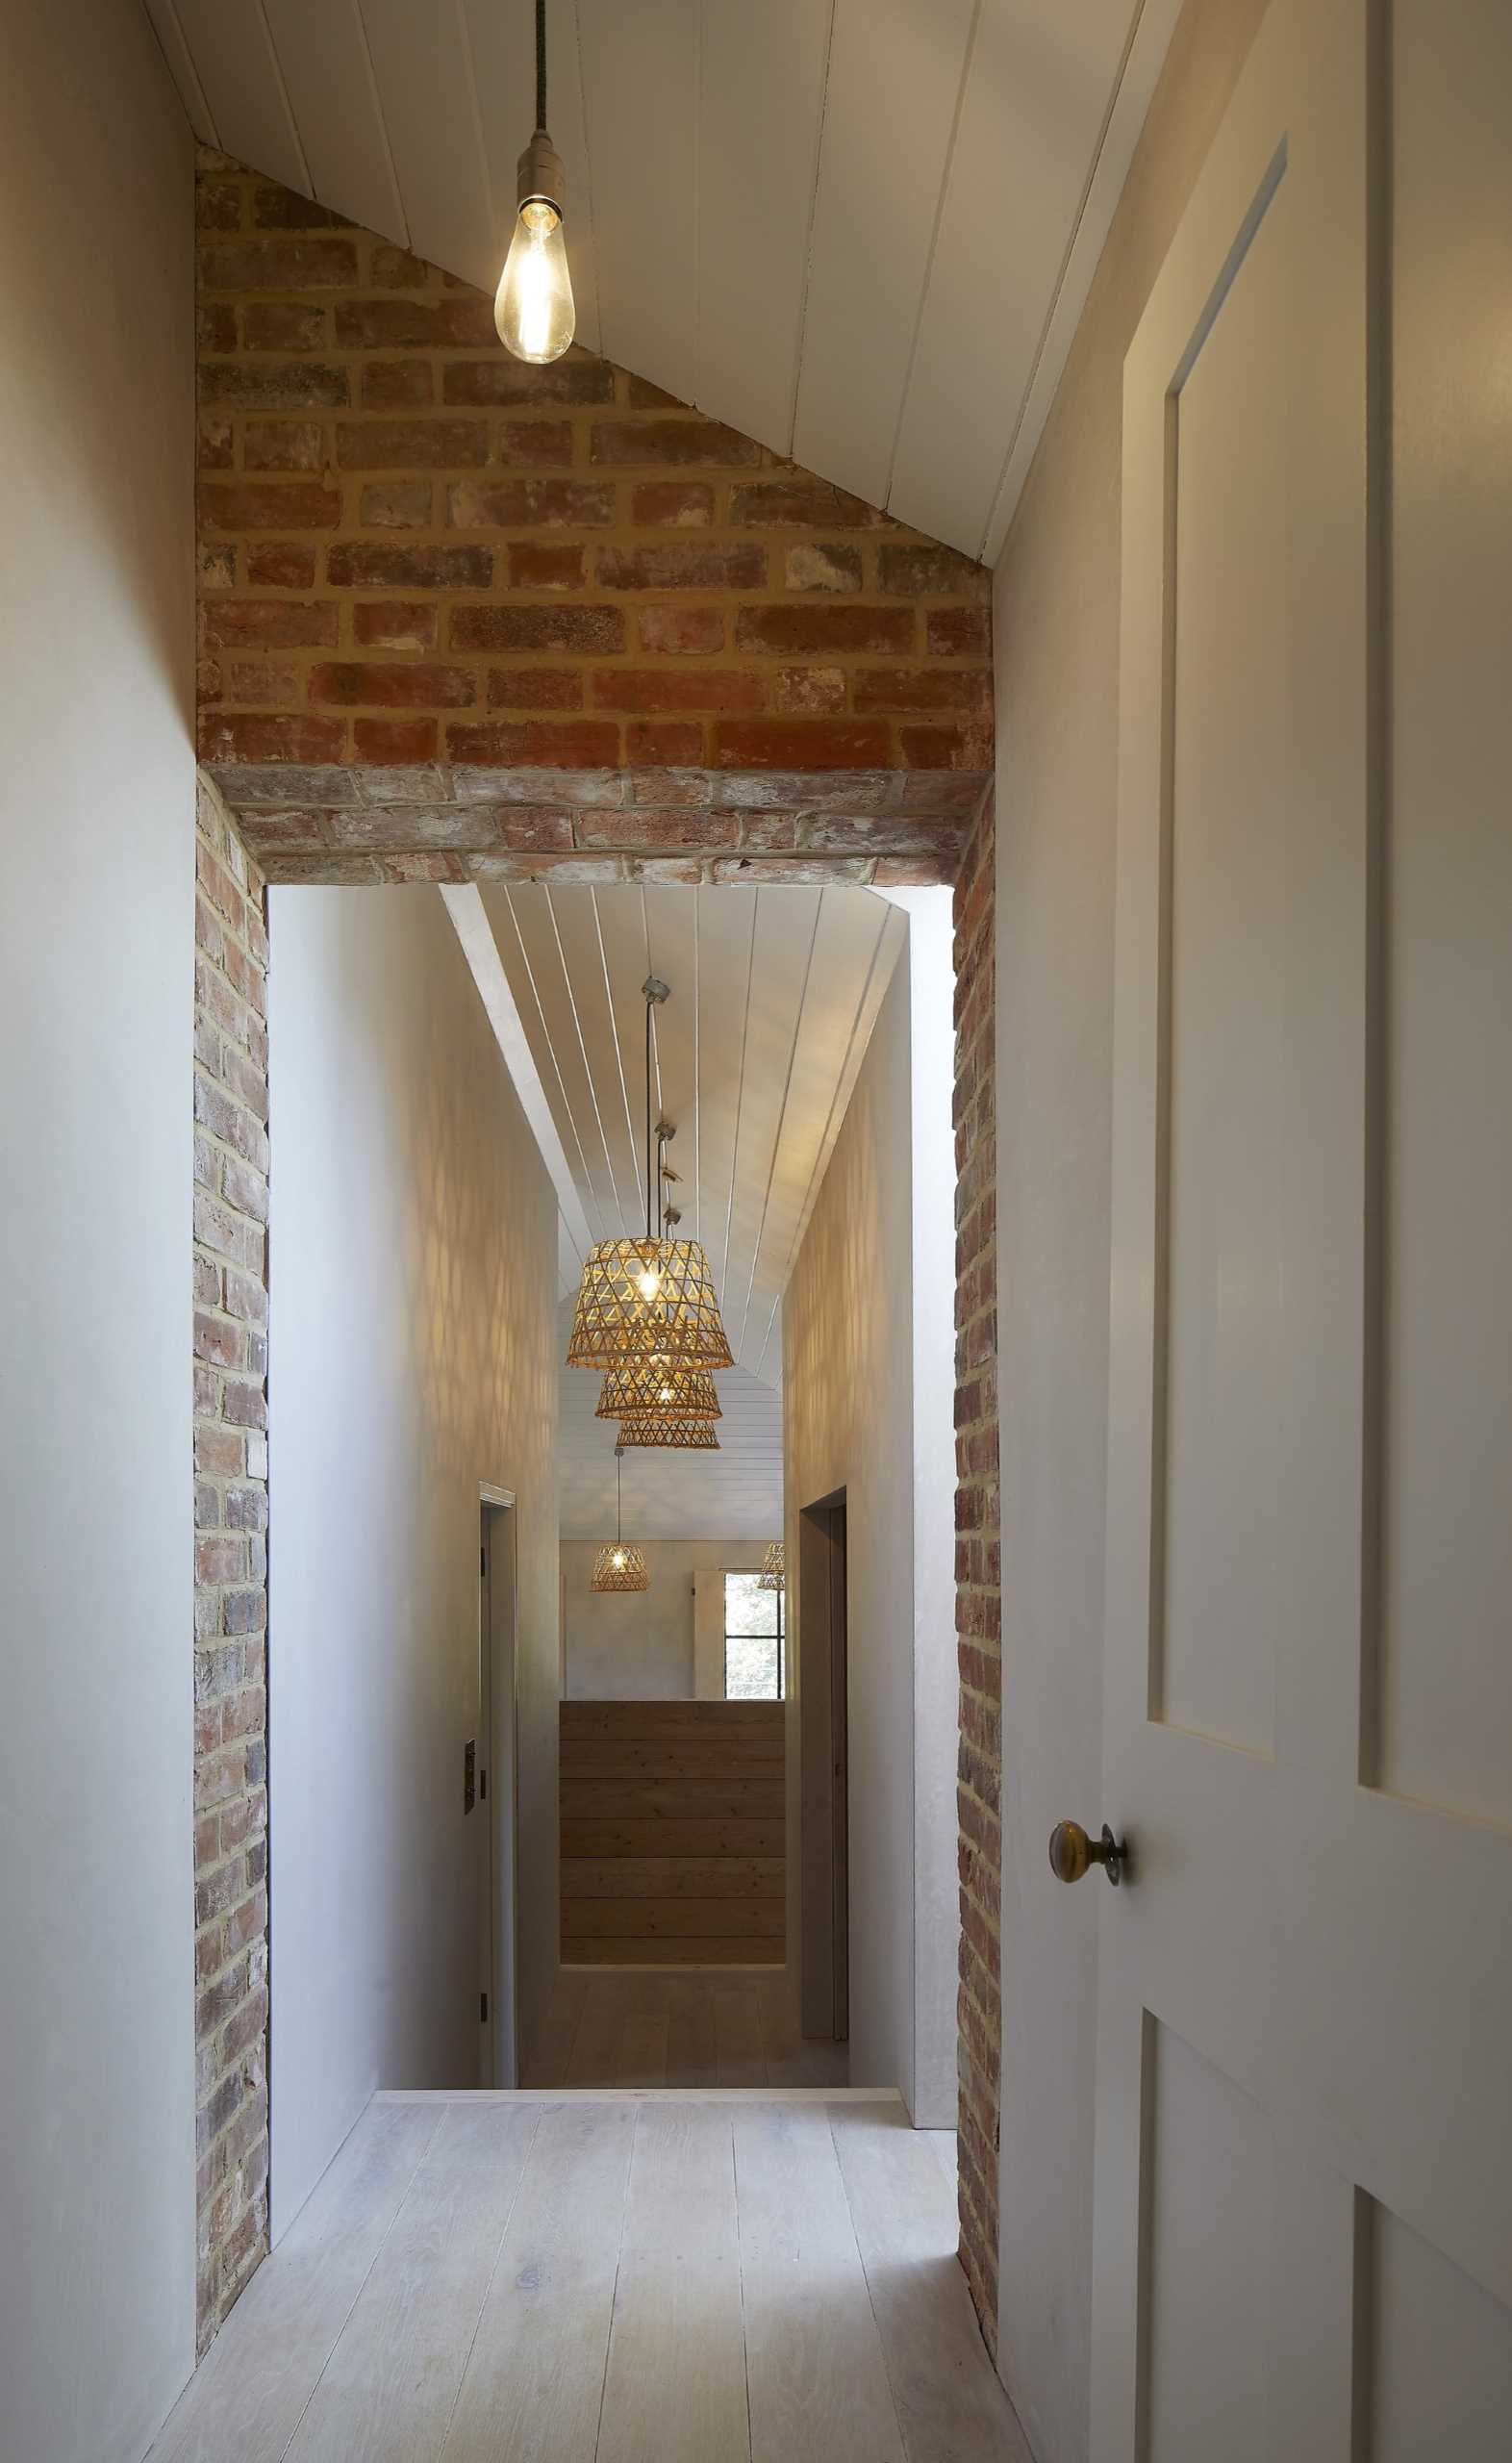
{"points": [[1072, 1852]]}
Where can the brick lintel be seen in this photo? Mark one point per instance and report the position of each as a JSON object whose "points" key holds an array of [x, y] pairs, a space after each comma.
{"points": [[372, 824]]}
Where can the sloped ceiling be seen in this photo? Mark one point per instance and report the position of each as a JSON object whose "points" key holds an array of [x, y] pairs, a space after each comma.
{"points": [[861, 231], [775, 993]]}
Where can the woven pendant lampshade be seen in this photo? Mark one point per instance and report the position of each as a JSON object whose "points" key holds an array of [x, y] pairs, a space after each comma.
{"points": [[658, 1385], [773, 1574], [661, 1428], [641, 1300], [619, 1567]]}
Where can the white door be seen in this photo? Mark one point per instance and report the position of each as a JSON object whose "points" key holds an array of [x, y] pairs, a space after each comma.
{"points": [[1303, 2199]]}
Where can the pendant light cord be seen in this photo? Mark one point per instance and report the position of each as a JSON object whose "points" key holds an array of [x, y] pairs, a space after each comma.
{"points": [[540, 66], [648, 1117]]}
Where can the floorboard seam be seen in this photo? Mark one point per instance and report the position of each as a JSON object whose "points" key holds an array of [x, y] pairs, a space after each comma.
{"points": [[613, 2298], [872, 2303], [477, 2324], [740, 2259]]}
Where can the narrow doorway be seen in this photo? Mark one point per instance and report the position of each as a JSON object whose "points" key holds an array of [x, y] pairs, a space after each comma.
{"points": [[824, 1883], [495, 1795]]}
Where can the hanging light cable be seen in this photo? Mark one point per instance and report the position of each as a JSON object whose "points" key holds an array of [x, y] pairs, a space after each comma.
{"points": [[534, 311], [619, 1567], [650, 1299]]}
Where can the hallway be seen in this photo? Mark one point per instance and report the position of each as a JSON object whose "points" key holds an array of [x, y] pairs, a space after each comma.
{"points": [[627, 2280]]}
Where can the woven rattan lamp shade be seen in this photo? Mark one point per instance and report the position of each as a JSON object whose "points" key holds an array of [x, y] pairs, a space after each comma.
{"points": [[619, 1567], [658, 1385], [661, 1428], [773, 1574], [643, 1299]]}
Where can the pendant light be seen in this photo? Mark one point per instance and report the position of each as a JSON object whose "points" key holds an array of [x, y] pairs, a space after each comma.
{"points": [[773, 1574], [533, 310], [657, 1385], [650, 1299], [619, 1567], [657, 1428]]}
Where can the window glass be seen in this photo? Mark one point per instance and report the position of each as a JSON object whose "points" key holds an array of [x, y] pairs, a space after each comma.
{"points": [[753, 1640]]}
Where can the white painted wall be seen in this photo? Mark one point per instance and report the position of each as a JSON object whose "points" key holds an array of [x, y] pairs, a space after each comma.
{"points": [[1056, 628], [412, 1354], [97, 945], [638, 1646], [867, 1330]]}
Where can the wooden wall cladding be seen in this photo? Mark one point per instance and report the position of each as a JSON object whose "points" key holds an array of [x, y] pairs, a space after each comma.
{"points": [[672, 1837]]}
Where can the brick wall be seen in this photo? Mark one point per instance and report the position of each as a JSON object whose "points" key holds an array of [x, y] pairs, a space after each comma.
{"points": [[463, 617], [978, 1570], [231, 1161]]}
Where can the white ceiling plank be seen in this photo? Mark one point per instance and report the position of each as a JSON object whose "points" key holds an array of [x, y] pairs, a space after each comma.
{"points": [[895, 79], [237, 67], [613, 1039], [175, 51], [787, 927], [431, 110], [760, 99], [574, 1011], [521, 925], [669, 943], [640, 101], [1038, 89], [1151, 40], [328, 75], [502, 38], [725, 992]]}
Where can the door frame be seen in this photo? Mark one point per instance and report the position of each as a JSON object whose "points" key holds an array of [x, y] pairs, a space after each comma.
{"points": [[498, 1626], [817, 1638]]}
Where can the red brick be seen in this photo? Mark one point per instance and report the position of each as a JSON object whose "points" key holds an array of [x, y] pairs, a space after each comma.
{"points": [[672, 504], [414, 324], [393, 268], [215, 327], [396, 623], [284, 324], [218, 204], [588, 630], [280, 208], [282, 445], [923, 688], [535, 688], [535, 743], [262, 683], [217, 445], [958, 632], [693, 441], [517, 505], [643, 395], [790, 631], [685, 630], [535, 444], [272, 504], [272, 385], [673, 744], [393, 684], [281, 565], [534, 566], [396, 384], [821, 566], [812, 692], [653, 830], [664, 690], [682, 566], [800, 503], [361, 567], [967, 746], [397, 505], [799, 743], [395, 740], [930, 573], [411, 444], [264, 737], [278, 265], [271, 624], [510, 384]]}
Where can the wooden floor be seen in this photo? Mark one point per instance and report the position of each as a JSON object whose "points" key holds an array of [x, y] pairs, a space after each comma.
{"points": [[711, 2030], [607, 2280]]}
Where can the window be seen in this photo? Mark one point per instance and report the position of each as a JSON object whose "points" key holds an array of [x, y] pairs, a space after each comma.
{"points": [[753, 1640]]}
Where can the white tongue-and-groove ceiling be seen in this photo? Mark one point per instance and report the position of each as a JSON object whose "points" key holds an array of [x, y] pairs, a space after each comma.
{"points": [[860, 231], [773, 994]]}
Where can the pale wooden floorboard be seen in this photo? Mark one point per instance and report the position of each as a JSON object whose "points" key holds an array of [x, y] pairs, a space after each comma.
{"points": [[818, 2383], [675, 2387], [243, 2403], [535, 2382], [388, 2390], [901, 2196]]}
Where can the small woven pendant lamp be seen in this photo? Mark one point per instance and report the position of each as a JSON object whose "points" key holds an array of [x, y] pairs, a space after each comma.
{"points": [[619, 1567], [773, 1574]]}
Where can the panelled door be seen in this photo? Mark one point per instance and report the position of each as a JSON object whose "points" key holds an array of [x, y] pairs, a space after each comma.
{"points": [[1303, 2200]]}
